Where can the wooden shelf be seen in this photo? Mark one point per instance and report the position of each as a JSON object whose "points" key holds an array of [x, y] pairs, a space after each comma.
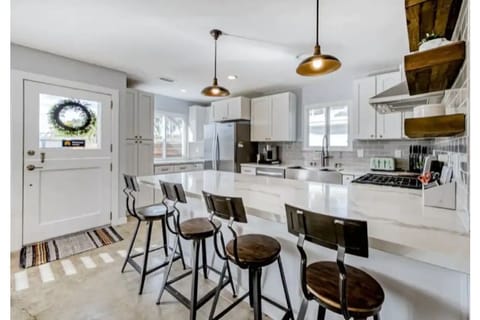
{"points": [[435, 69], [425, 16], [432, 127]]}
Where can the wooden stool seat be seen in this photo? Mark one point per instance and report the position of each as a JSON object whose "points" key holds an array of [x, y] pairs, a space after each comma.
{"points": [[254, 250], [365, 296], [152, 212], [198, 228]]}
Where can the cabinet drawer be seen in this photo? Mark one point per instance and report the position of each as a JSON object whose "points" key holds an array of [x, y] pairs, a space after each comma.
{"points": [[251, 171], [347, 178], [184, 167], [197, 166], [163, 169]]}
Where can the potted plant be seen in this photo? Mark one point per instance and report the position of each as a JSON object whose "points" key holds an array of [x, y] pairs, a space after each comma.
{"points": [[432, 40]]}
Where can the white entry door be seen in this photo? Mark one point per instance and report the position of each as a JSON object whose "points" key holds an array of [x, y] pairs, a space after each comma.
{"points": [[67, 160]]}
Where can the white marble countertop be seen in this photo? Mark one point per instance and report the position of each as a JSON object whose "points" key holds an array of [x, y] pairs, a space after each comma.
{"points": [[159, 162], [398, 223]]}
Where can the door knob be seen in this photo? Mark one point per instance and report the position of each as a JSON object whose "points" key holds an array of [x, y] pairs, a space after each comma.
{"points": [[31, 167]]}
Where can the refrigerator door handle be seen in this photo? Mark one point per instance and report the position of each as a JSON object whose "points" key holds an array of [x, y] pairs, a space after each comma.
{"points": [[217, 152], [214, 152]]}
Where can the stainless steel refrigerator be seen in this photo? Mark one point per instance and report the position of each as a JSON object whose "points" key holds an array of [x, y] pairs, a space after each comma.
{"points": [[227, 145]]}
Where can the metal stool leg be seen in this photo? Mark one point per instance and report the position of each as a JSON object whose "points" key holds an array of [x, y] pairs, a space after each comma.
{"points": [[193, 299], [321, 313], [167, 270], [234, 292], [257, 293], [204, 260], [164, 236], [129, 252], [180, 251], [376, 317], [250, 287], [303, 310], [285, 289], [219, 288], [145, 256]]}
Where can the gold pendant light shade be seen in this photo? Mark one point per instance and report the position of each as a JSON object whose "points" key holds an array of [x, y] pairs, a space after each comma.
{"points": [[318, 64], [215, 90]]}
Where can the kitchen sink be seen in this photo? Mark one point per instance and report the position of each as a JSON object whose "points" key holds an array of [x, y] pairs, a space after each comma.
{"points": [[326, 175]]}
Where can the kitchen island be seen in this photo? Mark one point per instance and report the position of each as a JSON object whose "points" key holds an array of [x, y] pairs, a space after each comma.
{"points": [[420, 255]]}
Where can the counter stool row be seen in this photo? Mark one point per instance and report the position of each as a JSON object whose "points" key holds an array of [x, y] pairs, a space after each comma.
{"points": [[335, 286]]}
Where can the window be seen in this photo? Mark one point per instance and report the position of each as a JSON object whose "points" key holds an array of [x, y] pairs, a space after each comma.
{"points": [[330, 121], [169, 135]]}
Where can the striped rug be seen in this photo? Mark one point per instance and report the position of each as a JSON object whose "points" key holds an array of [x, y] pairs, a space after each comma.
{"points": [[65, 246]]}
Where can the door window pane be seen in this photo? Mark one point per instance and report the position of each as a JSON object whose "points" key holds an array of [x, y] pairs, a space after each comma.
{"points": [[159, 136], [69, 123], [338, 131], [316, 126]]}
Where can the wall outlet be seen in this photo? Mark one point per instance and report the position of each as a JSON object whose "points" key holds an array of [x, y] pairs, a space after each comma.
{"points": [[360, 153], [398, 153]]}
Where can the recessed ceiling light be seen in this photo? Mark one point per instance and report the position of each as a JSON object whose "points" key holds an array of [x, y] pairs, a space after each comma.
{"points": [[183, 90], [232, 77]]}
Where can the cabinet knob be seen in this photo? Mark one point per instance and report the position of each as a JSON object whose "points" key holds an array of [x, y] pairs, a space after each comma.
{"points": [[371, 136], [381, 136]]}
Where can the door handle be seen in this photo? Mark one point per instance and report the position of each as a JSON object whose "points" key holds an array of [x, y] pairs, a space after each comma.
{"points": [[31, 167]]}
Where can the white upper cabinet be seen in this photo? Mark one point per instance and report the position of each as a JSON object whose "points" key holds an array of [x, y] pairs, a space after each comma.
{"points": [[197, 118], [273, 118], [140, 108], [389, 125], [237, 108], [369, 123], [364, 114]]}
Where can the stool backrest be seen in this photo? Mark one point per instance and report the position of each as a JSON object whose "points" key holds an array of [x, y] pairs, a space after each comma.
{"points": [[131, 187], [328, 231], [225, 207], [344, 235], [173, 191]]}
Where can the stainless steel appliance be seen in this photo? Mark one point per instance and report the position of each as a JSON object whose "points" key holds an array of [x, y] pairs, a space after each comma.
{"points": [[401, 181], [227, 145], [269, 155], [314, 174], [271, 172]]}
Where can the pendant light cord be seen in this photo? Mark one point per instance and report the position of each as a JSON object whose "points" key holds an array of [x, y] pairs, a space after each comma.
{"points": [[215, 62], [318, 1]]}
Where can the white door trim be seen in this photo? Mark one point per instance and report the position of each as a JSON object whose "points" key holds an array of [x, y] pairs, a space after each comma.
{"points": [[16, 138]]}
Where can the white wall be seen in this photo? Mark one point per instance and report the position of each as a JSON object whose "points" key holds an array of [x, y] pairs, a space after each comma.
{"points": [[167, 104], [47, 64]]}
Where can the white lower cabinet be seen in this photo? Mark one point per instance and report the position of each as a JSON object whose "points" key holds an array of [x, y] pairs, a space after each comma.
{"points": [[347, 178], [174, 168], [251, 171]]}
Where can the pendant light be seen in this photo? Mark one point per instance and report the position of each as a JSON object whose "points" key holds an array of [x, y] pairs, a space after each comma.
{"points": [[215, 90], [318, 64]]}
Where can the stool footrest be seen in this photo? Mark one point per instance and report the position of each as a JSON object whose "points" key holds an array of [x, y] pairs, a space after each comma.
{"points": [[230, 307], [137, 267]]}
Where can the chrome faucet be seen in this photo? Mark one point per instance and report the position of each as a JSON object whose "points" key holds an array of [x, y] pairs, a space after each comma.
{"points": [[325, 155]]}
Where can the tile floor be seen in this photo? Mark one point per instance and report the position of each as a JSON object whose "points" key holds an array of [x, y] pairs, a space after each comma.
{"points": [[91, 286]]}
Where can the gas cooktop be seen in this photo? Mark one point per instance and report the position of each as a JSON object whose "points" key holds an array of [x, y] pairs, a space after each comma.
{"points": [[401, 181]]}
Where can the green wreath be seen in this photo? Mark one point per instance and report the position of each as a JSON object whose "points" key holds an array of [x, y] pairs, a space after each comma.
{"points": [[81, 126]]}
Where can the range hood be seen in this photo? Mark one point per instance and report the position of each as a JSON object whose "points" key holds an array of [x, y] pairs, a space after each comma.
{"points": [[397, 98]]}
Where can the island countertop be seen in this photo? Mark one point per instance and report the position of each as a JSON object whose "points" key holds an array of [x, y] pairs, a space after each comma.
{"points": [[398, 223]]}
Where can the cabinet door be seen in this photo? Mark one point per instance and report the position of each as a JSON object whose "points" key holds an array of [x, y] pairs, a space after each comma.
{"points": [[146, 108], [389, 125], [239, 108], [220, 110], [280, 117], [365, 114], [132, 158], [260, 125], [131, 114], [145, 168]]}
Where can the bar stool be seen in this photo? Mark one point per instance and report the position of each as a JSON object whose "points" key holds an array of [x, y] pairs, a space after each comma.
{"points": [[196, 230], [336, 286], [250, 251], [147, 214]]}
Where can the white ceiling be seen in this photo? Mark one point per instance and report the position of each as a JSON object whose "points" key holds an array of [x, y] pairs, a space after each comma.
{"points": [[149, 39]]}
